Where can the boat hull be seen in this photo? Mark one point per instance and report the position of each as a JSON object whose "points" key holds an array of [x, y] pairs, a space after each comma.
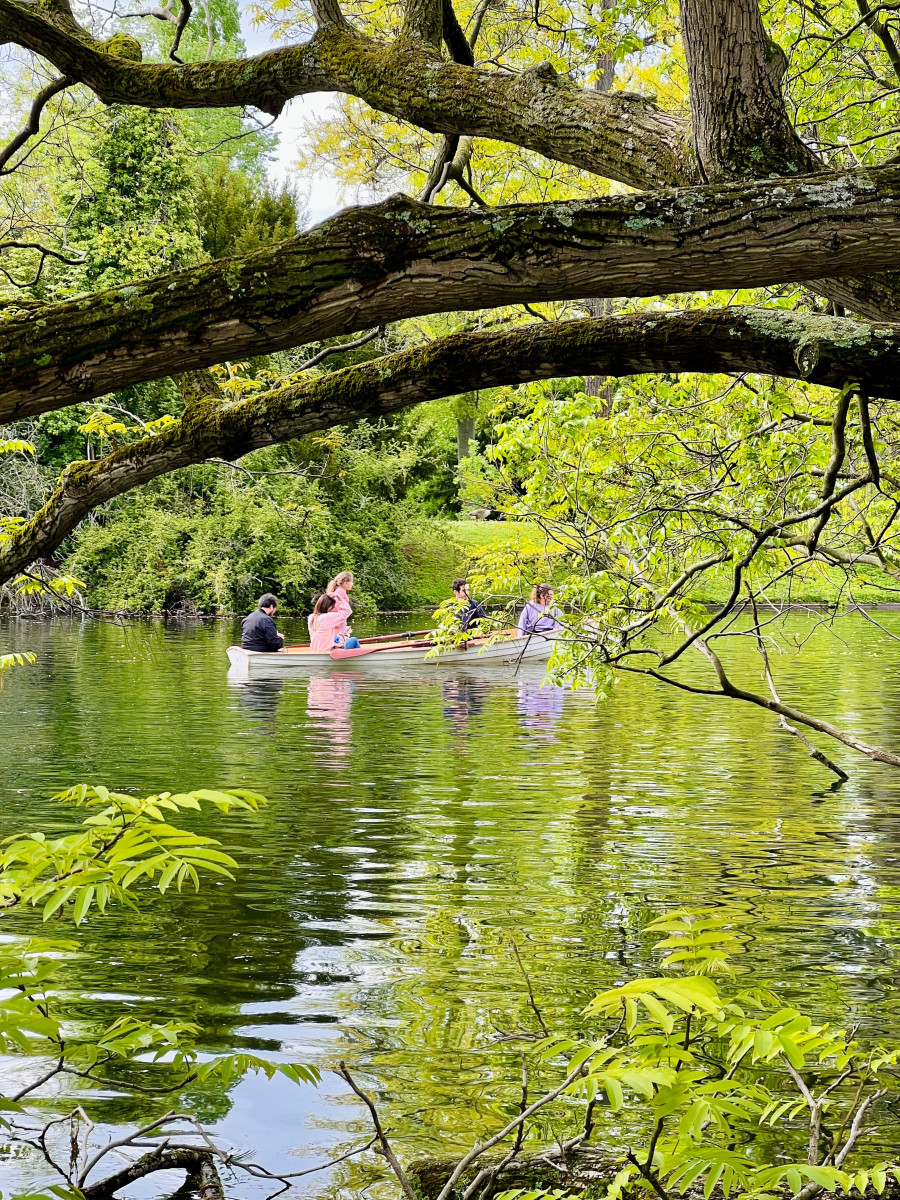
{"points": [[480, 651]]}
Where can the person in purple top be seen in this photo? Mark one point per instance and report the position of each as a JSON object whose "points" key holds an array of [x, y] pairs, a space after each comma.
{"points": [[538, 616]]}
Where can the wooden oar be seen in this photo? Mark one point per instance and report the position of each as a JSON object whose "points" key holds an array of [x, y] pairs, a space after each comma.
{"points": [[381, 637], [339, 653], [396, 637]]}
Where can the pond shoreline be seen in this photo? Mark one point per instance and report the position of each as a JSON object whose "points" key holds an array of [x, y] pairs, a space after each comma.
{"points": [[190, 618]]}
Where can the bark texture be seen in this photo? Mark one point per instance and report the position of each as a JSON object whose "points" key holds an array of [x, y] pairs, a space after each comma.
{"points": [[369, 266], [741, 127], [740, 123], [824, 350], [621, 135], [201, 1174]]}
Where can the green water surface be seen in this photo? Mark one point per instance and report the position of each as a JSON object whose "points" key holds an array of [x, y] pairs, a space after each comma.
{"points": [[418, 824]]}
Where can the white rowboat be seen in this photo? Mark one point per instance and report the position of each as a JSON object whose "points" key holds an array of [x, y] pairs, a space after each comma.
{"points": [[411, 648]]}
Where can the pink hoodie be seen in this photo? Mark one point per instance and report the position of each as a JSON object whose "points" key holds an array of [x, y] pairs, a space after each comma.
{"points": [[343, 606], [324, 627]]}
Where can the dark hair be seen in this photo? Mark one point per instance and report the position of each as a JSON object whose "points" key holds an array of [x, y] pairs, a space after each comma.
{"points": [[268, 601], [541, 593], [324, 604], [458, 583]]}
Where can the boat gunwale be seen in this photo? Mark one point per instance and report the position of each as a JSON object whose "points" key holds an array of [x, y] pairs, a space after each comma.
{"points": [[510, 648]]}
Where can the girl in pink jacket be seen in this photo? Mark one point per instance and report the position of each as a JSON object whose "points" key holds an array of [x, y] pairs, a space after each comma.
{"points": [[339, 587], [326, 624]]}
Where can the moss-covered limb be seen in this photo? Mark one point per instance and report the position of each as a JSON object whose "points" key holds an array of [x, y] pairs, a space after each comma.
{"points": [[198, 387], [824, 350], [619, 135], [370, 266], [197, 1164]]}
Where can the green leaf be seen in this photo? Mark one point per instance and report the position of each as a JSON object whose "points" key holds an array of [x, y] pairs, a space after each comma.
{"points": [[83, 903], [614, 1092]]}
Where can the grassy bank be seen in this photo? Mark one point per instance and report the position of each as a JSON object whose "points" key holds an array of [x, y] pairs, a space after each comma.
{"points": [[448, 550], [450, 547]]}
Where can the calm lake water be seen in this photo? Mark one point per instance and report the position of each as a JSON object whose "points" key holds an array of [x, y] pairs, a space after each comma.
{"points": [[418, 826]]}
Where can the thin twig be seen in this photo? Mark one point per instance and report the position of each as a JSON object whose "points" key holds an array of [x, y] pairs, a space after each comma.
{"points": [[466, 1161], [337, 349], [172, 1115], [403, 1179], [33, 124], [814, 751], [531, 999]]}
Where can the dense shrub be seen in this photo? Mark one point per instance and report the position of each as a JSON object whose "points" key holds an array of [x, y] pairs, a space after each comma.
{"points": [[218, 546]]}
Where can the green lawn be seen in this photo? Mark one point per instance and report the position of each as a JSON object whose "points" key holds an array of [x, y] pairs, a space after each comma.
{"points": [[449, 547], [447, 551], [817, 585]]}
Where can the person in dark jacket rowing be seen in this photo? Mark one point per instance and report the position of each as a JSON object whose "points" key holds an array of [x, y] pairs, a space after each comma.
{"points": [[471, 610], [258, 631]]}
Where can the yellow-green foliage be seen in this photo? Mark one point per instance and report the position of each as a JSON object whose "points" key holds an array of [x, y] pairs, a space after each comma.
{"points": [[124, 844]]}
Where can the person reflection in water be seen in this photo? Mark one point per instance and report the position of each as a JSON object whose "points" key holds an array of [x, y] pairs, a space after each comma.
{"points": [[462, 700], [328, 702], [539, 709], [258, 699]]}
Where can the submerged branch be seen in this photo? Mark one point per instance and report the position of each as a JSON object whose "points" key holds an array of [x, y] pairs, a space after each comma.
{"points": [[814, 752]]}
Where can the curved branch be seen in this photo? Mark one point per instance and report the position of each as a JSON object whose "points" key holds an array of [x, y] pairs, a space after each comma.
{"points": [[44, 252], [620, 135], [454, 38], [197, 1163], [33, 124], [731, 340], [774, 705], [882, 31], [184, 16], [814, 751], [370, 266]]}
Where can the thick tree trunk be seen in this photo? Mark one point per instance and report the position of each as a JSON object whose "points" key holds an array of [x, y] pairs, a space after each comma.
{"points": [[741, 127], [824, 350], [465, 432], [369, 266], [599, 385]]}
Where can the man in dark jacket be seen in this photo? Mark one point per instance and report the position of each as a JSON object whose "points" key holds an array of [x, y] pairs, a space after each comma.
{"points": [[471, 610], [258, 630]]}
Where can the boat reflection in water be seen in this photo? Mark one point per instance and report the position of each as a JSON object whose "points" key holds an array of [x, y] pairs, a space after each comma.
{"points": [[257, 699], [539, 709]]}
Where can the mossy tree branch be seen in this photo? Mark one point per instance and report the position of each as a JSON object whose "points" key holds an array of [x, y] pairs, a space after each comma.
{"points": [[618, 135], [825, 350], [741, 125], [370, 266]]}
